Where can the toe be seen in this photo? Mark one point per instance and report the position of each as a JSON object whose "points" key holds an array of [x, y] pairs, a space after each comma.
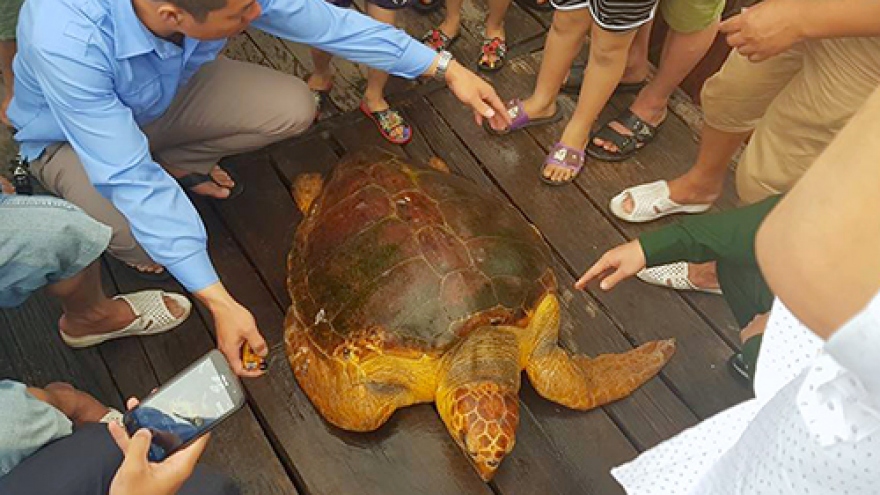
{"points": [[628, 204], [174, 308]]}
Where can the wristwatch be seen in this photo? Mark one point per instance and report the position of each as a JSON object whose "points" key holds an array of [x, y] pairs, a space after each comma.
{"points": [[442, 65]]}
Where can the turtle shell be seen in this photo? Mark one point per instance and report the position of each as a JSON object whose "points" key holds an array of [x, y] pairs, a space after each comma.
{"points": [[393, 257]]}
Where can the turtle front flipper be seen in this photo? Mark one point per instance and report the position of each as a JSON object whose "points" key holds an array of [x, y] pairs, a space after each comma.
{"points": [[340, 390], [306, 188], [581, 382], [477, 396]]}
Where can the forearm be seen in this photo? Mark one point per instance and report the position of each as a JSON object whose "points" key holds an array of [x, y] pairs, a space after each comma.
{"points": [[839, 18], [729, 236], [7, 54]]}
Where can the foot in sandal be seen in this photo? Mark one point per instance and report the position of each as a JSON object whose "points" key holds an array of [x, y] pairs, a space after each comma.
{"points": [[648, 202], [141, 313], [700, 277]]}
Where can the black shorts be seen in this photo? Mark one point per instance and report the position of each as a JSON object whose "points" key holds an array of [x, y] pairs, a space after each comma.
{"points": [[385, 4], [613, 15]]}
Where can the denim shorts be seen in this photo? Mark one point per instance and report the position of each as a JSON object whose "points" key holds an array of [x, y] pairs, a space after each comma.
{"points": [[44, 240]]}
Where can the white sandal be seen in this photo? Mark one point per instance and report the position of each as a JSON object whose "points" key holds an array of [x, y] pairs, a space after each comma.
{"points": [[650, 202], [674, 276], [151, 317]]}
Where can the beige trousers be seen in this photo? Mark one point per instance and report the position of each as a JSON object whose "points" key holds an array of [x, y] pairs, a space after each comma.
{"points": [[795, 102], [228, 107]]}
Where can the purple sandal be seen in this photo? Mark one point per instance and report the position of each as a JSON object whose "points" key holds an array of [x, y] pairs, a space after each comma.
{"points": [[519, 119], [563, 156]]}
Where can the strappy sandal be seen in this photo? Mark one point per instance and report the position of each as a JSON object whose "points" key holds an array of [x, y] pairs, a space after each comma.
{"points": [[437, 40], [566, 157], [387, 121], [575, 80], [193, 179], [673, 276], [650, 202], [426, 7], [151, 317], [492, 47], [627, 145], [519, 120]]}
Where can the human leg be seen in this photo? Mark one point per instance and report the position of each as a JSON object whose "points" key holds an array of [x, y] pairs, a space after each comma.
{"points": [[61, 173], [608, 51], [838, 76], [734, 101], [260, 106], [390, 122], [495, 38], [76, 474], [682, 50]]}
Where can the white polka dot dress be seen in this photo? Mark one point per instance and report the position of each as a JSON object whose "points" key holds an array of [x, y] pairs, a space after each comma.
{"points": [[814, 427]]}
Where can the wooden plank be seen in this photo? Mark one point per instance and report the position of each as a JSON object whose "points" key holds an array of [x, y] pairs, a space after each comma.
{"points": [[645, 312], [242, 48], [411, 454], [238, 447], [574, 452], [37, 356]]}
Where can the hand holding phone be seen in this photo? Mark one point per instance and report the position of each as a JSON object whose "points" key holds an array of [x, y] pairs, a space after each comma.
{"points": [[138, 476], [188, 406]]}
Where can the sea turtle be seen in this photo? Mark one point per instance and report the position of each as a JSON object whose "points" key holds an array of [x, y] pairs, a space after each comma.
{"points": [[412, 285]]}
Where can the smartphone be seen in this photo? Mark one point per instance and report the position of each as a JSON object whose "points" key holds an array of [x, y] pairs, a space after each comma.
{"points": [[188, 406]]}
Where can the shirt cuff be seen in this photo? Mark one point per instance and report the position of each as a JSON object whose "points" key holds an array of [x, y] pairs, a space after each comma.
{"points": [[415, 60], [664, 246], [194, 272]]}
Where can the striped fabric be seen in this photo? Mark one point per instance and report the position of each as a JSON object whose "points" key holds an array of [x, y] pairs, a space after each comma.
{"points": [[613, 15]]}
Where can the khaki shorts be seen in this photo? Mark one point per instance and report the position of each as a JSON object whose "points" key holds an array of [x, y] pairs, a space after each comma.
{"points": [[9, 18], [795, 103], [689, 16]]}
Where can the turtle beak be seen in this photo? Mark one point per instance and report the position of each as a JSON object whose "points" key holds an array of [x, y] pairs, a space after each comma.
{"points": [[487, 453]]}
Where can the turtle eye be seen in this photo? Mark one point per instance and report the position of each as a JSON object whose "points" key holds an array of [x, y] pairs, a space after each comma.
{"points": [[497, 320]]}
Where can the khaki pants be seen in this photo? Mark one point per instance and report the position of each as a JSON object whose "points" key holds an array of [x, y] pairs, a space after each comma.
{"points": [[228, 107], [795, 102]]}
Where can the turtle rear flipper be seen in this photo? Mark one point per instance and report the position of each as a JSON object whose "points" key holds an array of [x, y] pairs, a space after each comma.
{"points": [[581, 382]]}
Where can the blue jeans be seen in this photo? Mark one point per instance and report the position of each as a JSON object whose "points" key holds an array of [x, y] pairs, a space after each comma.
{"points": [[44, 240]]}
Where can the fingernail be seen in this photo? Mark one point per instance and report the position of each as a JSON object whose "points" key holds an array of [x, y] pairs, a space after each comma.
{"points": [[489, 113]]}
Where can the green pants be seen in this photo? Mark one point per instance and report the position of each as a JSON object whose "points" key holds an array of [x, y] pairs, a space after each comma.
{"points": [[728, 238]]}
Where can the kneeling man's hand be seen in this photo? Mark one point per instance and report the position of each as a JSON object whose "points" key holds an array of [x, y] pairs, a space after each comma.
{"points": [[478, 94]]}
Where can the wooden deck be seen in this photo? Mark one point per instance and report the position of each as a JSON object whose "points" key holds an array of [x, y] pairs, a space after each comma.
{"points": [[279, 445]]}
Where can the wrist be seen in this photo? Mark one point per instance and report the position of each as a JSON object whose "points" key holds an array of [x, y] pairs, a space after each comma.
{"points": [[216, 298]]}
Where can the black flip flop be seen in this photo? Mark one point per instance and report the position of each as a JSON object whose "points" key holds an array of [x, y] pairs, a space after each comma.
{"points": [[627, 145], [572, 85], [426, 8], [193, 179]]}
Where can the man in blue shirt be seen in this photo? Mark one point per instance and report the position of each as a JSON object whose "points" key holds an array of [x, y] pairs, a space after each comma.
{"points": [[113, 97]]}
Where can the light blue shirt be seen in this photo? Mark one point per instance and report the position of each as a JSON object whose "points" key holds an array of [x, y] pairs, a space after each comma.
{"points": [[88, 72]]}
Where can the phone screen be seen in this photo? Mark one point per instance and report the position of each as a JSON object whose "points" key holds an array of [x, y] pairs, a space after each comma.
{"points": [[182, 410]]}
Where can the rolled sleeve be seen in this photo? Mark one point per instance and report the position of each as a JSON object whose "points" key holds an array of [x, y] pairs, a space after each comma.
{"points": [[347, 34], [115, 153]]}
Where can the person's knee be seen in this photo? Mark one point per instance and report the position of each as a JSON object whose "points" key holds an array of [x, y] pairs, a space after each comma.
{"points": [[569, 23], [294, 113]]}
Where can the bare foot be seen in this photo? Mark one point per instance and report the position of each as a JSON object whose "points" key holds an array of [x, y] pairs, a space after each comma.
{"points": [[77, 405], [685, 190], [704, 275], [114, 315], [151, 268]]}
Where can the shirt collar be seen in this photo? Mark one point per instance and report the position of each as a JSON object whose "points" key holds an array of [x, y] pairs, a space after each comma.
{"points": [[131, 37]]}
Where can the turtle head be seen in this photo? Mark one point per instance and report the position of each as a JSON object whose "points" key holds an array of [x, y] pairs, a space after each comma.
{"points": [[482, 418]]}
